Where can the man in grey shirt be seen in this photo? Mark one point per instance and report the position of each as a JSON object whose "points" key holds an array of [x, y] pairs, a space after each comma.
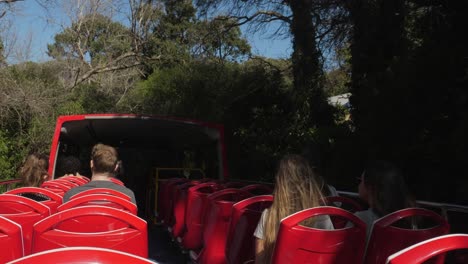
{"points": [[104, 164]]}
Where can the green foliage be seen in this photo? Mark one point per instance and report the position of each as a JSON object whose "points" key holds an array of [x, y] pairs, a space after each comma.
{"points": [[10, 156], [95, 38], [219, 39]]}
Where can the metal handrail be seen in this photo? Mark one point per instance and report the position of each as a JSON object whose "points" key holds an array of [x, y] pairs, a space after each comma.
{"points": [[444, 207], [9, 183]]}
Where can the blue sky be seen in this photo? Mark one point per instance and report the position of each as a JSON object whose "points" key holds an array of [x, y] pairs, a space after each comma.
{"points": [[30, 22]]}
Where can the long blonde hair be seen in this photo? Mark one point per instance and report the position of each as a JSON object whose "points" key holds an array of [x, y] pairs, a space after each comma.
{"points": [[34, 170], [297, 187]]}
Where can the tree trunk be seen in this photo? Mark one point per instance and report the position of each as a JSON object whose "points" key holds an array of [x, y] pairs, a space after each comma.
{"points": [[307, 69]]}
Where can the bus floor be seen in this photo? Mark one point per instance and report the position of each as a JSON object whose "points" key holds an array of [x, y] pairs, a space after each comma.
{"points": [[162, 249]]}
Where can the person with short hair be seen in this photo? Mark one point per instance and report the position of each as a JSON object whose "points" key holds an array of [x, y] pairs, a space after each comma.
{"points": [[67, 166], [297, 187], [104, 164]]}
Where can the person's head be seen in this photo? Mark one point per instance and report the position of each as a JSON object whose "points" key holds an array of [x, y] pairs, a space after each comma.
{"points": [[34, 170], [68, 165], [384, 188], [104, 159], [297, 187]]}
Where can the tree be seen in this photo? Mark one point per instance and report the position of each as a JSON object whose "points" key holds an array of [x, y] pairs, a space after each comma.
{"points": [[216, 39], [94, 44], [301, 20]]}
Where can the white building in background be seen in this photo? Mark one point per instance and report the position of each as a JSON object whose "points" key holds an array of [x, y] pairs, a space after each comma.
{"points": [[341, 99]]}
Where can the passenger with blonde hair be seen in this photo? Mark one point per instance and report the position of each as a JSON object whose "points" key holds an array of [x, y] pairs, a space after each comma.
{"points": [[104, 165], [34, 170], [297, 187]]}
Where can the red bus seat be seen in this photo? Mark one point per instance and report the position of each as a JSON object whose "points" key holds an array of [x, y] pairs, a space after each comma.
{"points": [[11, 240], [95, 226], [195, 214], [428, 249], [258, 189], [75, 179], [82, 255], [67, 183], [345, 203], [300, 244], [102, 200], [387, 239], [240, 242], [102, 191], [54, 199], [216, 227], [169, 201], [117, 181], [163, 194], [180, 203], [234, 184], [25, 212], [56, 187]]}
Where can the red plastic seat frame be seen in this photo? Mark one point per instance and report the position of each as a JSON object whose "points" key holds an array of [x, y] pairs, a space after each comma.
{"points": [[75, 179], [234, 184], [180, 203], [102, 200], [117, 181], [195, 214], [11, 240], [300, 244], [170, 200], [53, 185], [102, 191], [103, 227], [258, 189], [24, 211], [82, 255], [163, 196], [216, 227], [386, 239], [428, 249], [351, 205], [67, 183], [54, 199], [240, 242]]}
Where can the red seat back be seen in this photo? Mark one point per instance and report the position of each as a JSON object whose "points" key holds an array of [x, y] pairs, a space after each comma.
{"points": [[25, 212], [54, 199], [56, 187], [386, 239], [240, 242], [11, 240], [66, 182], [258, 189], [117, 181], [75, 179], [82, 255], [96, 226], [345, 203], [195, 213], [428, 249], [100, 199], [234, 184], [217, 219], [170, 200], [163, 196], [101, 191], [180, 202], [300, 244]]}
